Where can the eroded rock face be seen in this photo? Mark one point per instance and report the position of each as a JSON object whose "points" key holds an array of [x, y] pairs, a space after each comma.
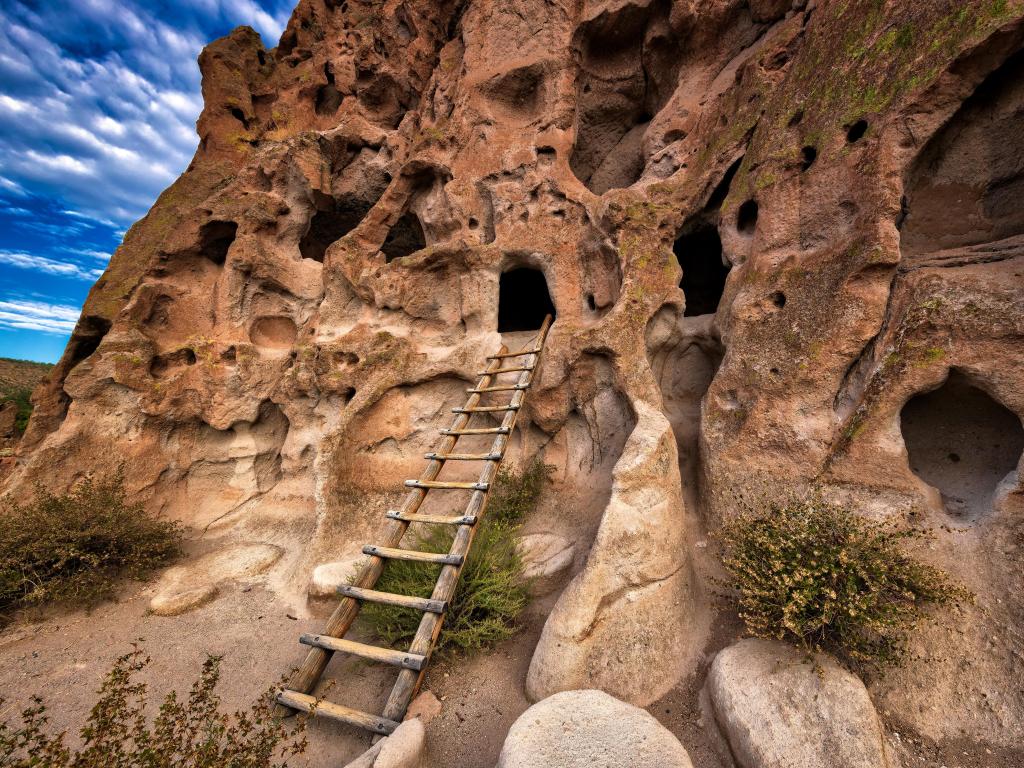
{"points": [[590, 729], [776, 707], [633, 606], [776, 223]]}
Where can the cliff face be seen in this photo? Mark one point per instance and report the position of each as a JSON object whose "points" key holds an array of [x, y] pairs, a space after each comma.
{"points": [[791, 230]]}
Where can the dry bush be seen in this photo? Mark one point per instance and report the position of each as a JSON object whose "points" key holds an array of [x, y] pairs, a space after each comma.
{"points": [[78, 547], [184, 734], [821, 576]]}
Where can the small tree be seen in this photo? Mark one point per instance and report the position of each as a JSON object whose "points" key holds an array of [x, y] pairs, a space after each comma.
{"points": [[823, 577]]}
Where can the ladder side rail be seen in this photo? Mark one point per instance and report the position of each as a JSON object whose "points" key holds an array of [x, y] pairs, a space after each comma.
{"points": [[409, 681], [305, 678]]}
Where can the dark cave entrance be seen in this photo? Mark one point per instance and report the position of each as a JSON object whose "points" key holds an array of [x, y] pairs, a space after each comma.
{"points": [[962, 442], [334, 218], [523, 300], [405, 238], [699, 252]]}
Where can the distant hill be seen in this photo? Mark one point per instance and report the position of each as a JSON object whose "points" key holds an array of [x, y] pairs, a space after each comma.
{"points": [[17, 380]]}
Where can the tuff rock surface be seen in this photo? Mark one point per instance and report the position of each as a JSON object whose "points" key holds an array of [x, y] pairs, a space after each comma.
{"points": [[776, 707], [789, 230], [589, 729]]}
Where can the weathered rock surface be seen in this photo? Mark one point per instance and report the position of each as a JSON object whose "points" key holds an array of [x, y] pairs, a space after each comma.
{"points": [[327, 577], [632, 606], [402, 749], [545, 555], [188, 586], [590, 729], [783, 224], [776, 708]]}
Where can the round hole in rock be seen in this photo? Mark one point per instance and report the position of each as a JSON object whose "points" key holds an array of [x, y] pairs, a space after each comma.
{"points": [[405, 238], [591, 302], [746, 217], [779, 299], [273, 332], [962, 442], [856, 131], [523, 300], [809, 155], [699, 253]]}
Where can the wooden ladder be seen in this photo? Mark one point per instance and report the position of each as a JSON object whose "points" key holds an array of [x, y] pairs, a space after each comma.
{"points": [[413, 662]]}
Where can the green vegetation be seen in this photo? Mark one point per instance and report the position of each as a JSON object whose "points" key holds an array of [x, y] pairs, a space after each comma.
{"points": [[17, 380], [189, 734], [77, 547], [491, 593], [821, 576]]}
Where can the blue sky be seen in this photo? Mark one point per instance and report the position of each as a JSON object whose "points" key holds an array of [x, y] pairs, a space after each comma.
{"points": [[98, 103]]}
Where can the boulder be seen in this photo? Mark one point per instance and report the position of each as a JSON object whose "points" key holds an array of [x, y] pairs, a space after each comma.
{"points": [[627, 623], [590, 729], [545, 555], [402, 749], [188, 586], [327, 577], [775, 707]]}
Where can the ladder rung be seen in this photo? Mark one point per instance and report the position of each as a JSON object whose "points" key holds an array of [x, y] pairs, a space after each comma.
{"points": [[446, 486], [487, 409], [505, 355], [463, 456], [412, 555], [496, 371], [507, 388], [372, 652], [436, 519], [304, 703], [389, 598], [483, 431]]}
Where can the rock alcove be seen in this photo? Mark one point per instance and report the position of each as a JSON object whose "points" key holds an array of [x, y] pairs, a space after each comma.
{"points": [[963, 442], [523, 300]]}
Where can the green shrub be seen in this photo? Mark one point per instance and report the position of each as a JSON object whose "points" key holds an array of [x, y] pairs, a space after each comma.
{"points": [[20, 397], [826, 578], [491, 592], [189, 734], [79, 546]]}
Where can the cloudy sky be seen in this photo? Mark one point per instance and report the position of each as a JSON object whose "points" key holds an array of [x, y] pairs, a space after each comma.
{"points": [[98, 103]]}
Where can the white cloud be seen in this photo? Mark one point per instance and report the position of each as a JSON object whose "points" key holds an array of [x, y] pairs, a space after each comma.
{"points": [[38, 316], [48, 266], [59, 162]]}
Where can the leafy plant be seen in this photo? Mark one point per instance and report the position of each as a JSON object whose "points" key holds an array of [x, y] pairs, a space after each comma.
{"points": [[491, 592], [20, 397], [819, 575], [78, 546], [189, 734]]}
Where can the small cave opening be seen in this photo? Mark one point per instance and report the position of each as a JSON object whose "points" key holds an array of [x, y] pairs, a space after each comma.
{"points": [[699, 252], [334, 218], [215, 238], [963, 442], [629, 60], [807, 157], [328, 97], [405, 238], [86, 339], [523, 300], [965, 187], [746, 218], [856, 131]]}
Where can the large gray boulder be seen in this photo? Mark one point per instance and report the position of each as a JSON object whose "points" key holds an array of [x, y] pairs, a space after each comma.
{"points": [[589, 729], [628, 623], [776, 708]]}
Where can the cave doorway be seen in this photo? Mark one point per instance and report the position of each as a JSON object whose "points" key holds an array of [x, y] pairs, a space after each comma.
{"points": [[523, 300], [699, 253], [334, 218], [404, 239], [962, 442]]}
